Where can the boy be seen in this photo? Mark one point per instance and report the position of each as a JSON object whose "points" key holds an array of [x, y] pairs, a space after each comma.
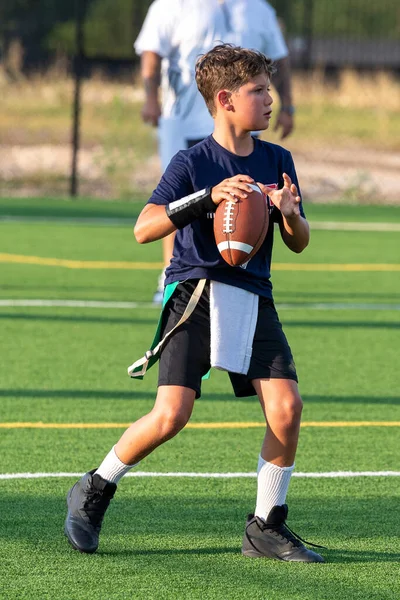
{"points": [[234, 83], [173, 35]]}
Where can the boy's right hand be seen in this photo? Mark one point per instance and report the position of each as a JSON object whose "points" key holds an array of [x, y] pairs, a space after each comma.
{"points": [[232, 189]]}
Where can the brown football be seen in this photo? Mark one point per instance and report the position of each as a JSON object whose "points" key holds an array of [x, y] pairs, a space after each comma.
{"points": [[240, 227]]}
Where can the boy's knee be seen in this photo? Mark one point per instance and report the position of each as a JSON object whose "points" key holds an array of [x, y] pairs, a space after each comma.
{"points": [[292, 407], [288, 408], [171, 422], [296, 404]]}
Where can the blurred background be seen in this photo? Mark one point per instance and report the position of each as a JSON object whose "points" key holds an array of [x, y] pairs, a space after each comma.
{"points": [[69, 81]]}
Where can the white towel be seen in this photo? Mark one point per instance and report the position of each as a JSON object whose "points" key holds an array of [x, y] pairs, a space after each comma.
{"points": [[233, 317]]}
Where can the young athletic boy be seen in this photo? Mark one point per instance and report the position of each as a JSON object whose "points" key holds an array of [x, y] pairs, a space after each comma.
{"points": [[234, 83]]}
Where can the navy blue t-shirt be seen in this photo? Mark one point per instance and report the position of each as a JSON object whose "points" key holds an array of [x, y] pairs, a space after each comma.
{"points": [[206, 164]]}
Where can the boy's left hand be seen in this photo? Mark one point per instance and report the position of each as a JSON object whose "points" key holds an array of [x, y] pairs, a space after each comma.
{"points": [[287, 199]]}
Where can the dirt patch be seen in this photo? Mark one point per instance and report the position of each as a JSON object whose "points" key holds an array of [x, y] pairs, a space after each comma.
{"points": [[325, 174], [353, 174]]}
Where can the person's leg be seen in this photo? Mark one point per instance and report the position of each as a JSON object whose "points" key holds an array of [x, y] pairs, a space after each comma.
{"points": [[282, 406], [171, 412], [89, 498], [184, 359], [167, 251], [266, 533]]}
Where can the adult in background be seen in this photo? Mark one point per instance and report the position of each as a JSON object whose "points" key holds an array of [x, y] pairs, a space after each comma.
{"points": [[173, 35]]}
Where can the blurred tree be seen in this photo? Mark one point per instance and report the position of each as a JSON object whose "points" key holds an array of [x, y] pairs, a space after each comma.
{"points": [[45, 28], [361, 19], [110, 29], [31, 21]]}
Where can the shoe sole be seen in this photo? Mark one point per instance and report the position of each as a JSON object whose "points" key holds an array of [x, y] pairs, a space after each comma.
{"points": [[254, 554], [251, 554]]}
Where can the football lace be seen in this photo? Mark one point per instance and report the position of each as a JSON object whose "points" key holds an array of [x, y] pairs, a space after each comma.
{"points": [[228, 217]]}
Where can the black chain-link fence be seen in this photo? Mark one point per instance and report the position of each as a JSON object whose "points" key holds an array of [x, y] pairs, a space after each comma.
{"points": [[357, 33], [361, 33], [68, 78]]}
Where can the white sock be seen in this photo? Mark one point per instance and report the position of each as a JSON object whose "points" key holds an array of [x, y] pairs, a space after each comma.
{"points": [[112, 469], [272, 487]]}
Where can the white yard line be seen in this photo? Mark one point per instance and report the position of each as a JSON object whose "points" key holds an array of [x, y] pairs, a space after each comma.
{"points": [[337, 306], [113, 221], [354, 226], [43, 303], [326, 225], [40, 303], [327, 475]]}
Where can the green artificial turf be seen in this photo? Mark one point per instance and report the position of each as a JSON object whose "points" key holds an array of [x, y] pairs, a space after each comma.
{"points": [[164, 538], [179, 538]]}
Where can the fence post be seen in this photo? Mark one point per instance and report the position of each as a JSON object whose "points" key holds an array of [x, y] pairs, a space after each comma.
{"points": [[308, 16], [78, 61]]}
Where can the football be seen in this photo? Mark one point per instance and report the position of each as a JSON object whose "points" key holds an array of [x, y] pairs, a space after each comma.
{"points": [[240, 227]]}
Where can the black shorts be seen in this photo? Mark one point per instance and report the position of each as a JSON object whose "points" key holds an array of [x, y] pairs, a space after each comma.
{"points": [[185, 356]]}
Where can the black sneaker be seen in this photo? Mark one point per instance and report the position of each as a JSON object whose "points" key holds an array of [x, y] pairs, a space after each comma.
{"points": [[274, 539], [87, 503]]}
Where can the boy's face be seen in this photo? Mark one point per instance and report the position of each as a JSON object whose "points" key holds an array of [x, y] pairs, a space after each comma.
{"points": [[252, 104]]}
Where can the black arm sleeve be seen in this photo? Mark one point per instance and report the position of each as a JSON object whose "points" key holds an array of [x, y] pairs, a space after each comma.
{"points": [[188, 209]]}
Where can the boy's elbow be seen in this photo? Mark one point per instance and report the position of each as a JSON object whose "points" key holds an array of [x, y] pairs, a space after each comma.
{"points": [[140, 234], [297, 245], [301, 241]]}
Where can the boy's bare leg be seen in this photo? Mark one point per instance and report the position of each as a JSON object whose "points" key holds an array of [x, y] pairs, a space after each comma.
{"points": [[282, 407], [89, 498], [171, 412], [266, 534], [167, 250]]}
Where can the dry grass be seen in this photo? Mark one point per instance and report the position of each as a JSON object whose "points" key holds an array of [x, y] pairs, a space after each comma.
{"points": [[52, 94], [352, 90], [359, 112]]}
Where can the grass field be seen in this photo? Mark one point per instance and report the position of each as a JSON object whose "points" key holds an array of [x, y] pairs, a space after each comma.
{"points": [[66, 398]]}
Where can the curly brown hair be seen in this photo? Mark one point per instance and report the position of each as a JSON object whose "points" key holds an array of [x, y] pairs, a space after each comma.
{"points": [[228, 67]]}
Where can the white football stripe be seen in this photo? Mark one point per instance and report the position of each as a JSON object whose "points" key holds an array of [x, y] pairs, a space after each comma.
{"points": [[235, 246], [255, 188]]}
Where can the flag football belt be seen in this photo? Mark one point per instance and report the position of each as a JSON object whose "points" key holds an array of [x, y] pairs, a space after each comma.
{"points": [[139, 368]]}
